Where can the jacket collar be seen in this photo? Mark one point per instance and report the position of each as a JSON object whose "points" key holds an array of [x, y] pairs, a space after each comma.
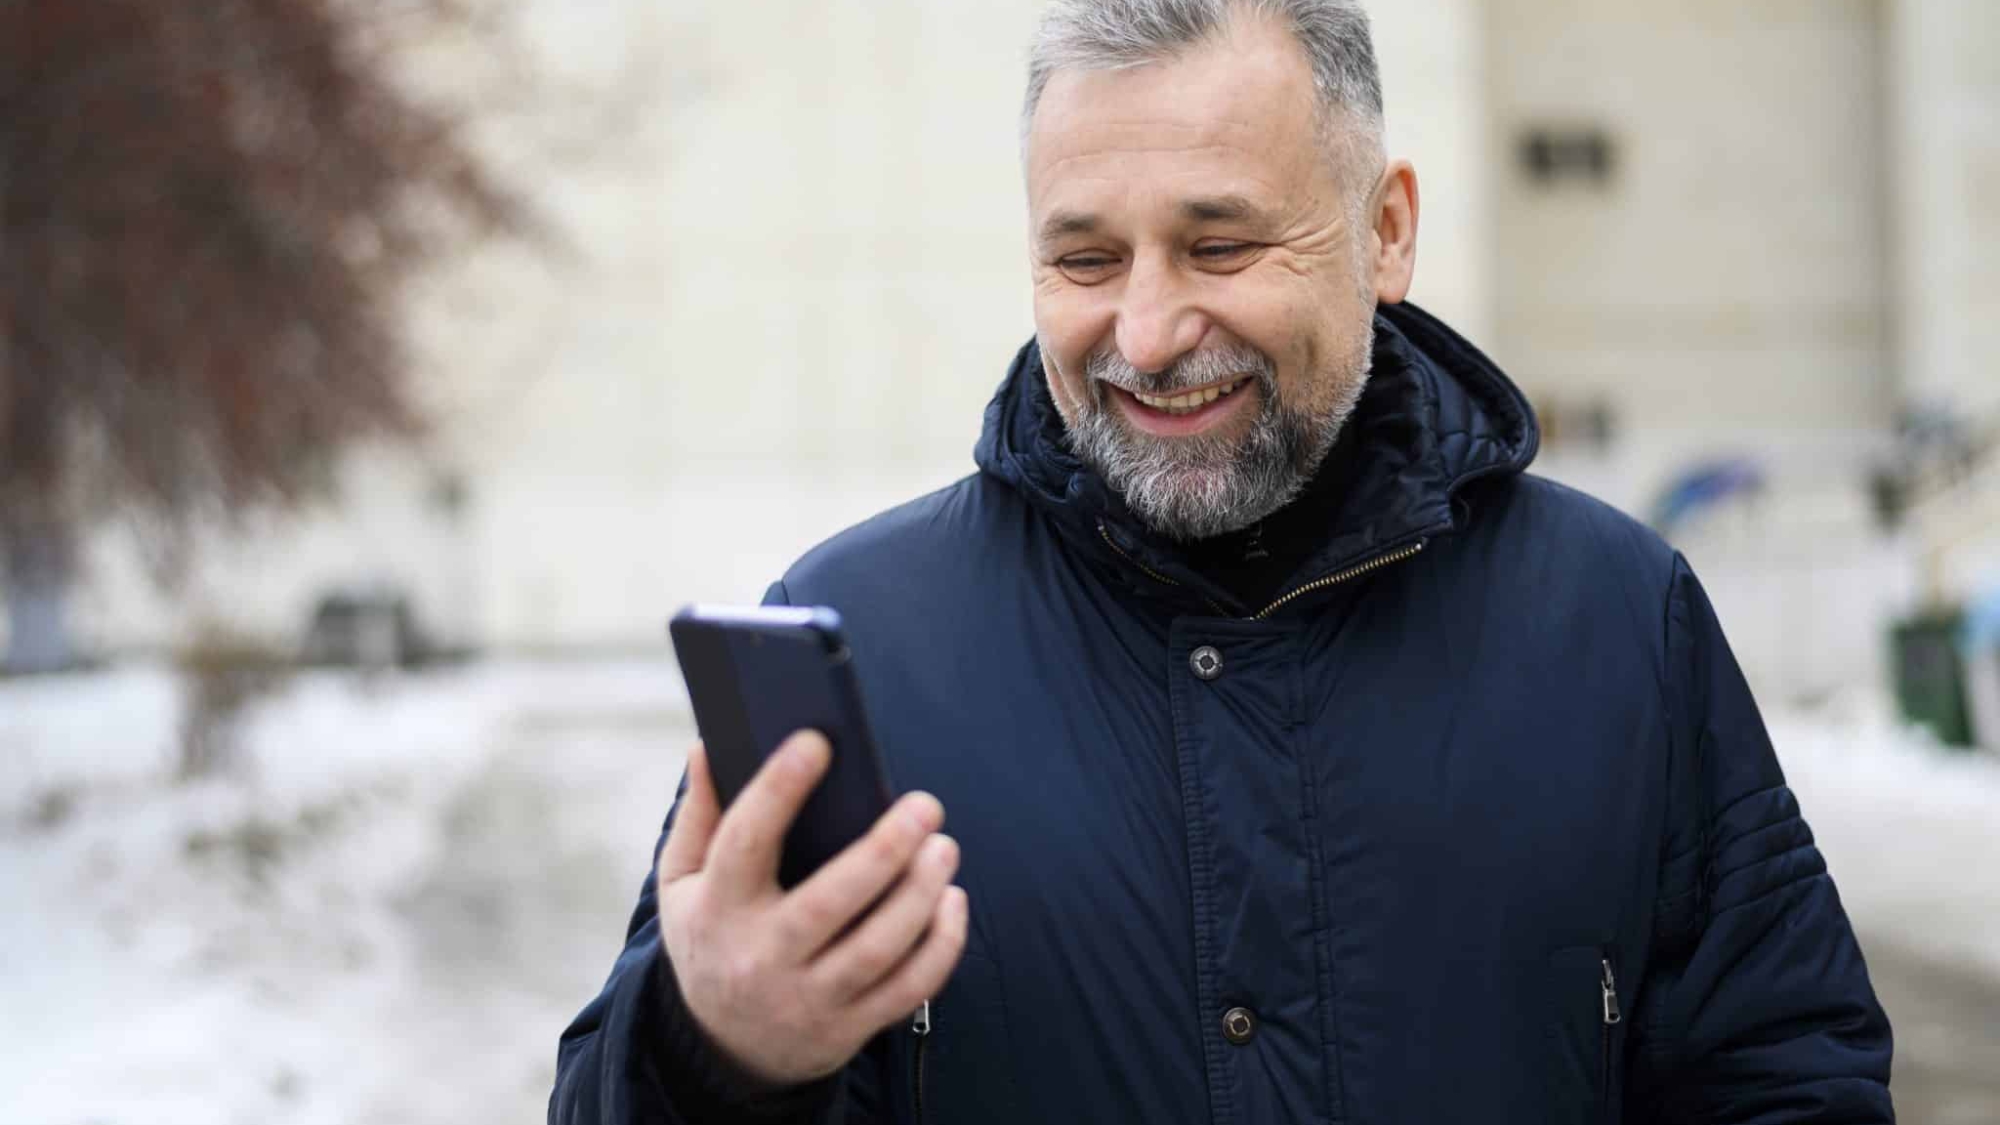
{"points": [[1436, 416]]}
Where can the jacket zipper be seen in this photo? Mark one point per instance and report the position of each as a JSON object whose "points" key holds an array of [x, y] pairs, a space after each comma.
{"points": [[920, 1026], [1147, 570], [1613, 1016], [1339, 576], [1334, 579]]}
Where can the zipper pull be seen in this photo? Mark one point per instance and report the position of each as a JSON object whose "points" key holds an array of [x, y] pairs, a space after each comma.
{"points": [[1611, 1013], [920, 1023]]}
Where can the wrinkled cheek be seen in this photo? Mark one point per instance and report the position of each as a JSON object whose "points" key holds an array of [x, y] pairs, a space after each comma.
{"points": [[1070, 398], [1069, 330]]}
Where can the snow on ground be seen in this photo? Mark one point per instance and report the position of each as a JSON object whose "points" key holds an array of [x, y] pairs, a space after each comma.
{"points": [[1910, 831], [414, 882], [388, 918]]}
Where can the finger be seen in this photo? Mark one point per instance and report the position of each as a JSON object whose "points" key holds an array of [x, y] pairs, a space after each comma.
{"points": [[859, 961], [922, 974], [694, 821], [827, 902], [744, 855]]}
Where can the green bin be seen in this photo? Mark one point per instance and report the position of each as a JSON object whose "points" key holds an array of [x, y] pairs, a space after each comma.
{"points": [[1930, 676]]}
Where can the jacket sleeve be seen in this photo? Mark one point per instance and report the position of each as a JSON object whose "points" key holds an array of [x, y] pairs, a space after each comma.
{"points": [[1760, 1009], [635, 1054]]}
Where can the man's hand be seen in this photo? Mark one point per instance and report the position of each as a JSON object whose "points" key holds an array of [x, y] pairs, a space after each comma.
{"points": [[791, 985]]}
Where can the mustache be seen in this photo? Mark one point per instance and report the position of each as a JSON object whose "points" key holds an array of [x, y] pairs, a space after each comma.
{"points": [[1195, 369]]}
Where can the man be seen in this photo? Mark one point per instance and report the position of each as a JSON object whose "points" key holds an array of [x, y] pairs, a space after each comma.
{"points": [[1306, 760]]}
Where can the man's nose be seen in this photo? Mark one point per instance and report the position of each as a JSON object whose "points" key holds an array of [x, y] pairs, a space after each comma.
{"points": [[1157, 322]]}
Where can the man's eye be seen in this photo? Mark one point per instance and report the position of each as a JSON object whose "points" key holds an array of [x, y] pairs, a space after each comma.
{"points": [[1215, 251], [1087, 269]]}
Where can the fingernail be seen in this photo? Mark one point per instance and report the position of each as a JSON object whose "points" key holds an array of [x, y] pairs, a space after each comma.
{"points": [[944, 850], [924, 811], [808, 753]]}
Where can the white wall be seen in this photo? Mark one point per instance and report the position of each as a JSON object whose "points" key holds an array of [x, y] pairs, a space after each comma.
{"points": [[818, 282], [263, 575], [1946, 180], [1727, 289], [1433, 59]]}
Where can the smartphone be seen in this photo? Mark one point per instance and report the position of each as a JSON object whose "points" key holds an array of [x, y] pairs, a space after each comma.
{"points": [[756, 674]]}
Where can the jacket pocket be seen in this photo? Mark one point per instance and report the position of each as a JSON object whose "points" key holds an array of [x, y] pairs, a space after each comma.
{"points": [[1586, 1016], [959, 1071]]}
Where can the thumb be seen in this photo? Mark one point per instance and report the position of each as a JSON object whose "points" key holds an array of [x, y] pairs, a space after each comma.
{"points": [[694, 821]]}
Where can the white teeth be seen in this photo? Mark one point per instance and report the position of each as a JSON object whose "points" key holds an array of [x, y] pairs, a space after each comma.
{"points": [[1188, 402]]}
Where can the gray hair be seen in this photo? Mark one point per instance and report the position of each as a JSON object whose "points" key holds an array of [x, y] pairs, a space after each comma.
{"points": [[1115, 34]]}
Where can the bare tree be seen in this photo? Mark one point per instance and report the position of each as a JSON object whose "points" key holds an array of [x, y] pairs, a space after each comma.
{"points": [[208, 212]]}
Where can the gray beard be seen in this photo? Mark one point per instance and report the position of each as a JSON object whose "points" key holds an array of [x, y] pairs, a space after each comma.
{"points": [[1198, 487]]}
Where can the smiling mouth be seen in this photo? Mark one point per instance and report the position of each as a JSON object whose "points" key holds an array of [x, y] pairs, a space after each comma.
{"points": [[1187, 402]]}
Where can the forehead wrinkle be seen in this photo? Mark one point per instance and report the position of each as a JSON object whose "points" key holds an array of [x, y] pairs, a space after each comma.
{"points": [[1104, 151], [1219, 175], [1190, 124], [1143, 136], [1239, 196]]}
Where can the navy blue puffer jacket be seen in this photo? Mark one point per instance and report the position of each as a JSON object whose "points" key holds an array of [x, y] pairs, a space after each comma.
{"points": [[1476, 823]]}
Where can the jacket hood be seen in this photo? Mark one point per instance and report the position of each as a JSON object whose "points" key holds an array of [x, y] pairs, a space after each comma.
{"points": [[1436, 416]]}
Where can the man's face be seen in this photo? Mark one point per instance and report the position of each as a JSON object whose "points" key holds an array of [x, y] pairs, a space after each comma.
{"points": [[1202, 297]]}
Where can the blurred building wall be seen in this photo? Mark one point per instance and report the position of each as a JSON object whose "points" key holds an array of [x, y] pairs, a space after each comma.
{"points": [[1717, 282], [794, 269], [1946, 179]]}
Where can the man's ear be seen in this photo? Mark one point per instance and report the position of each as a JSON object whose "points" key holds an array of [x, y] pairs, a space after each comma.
{"points": [[1394, 237]]}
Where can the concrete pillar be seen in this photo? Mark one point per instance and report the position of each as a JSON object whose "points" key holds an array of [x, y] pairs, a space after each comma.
{"points": [[1945, 182], [1432, 55]]}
